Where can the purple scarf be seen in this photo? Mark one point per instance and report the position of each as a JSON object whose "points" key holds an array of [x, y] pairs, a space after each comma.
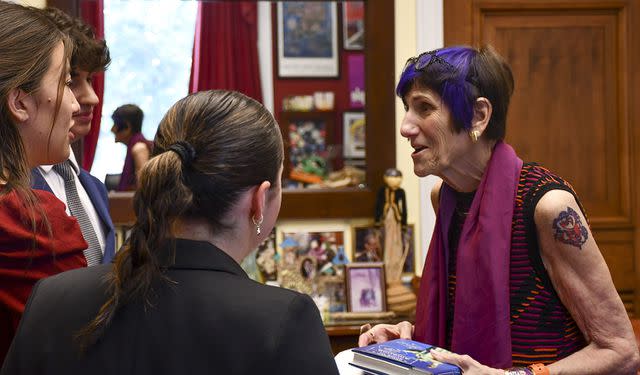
{"points": [[481, 322]]}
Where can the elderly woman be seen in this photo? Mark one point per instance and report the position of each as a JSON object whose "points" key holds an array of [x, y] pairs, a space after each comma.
{"points": [[513, 276]]}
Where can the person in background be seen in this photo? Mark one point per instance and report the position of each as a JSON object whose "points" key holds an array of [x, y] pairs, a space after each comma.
{"points": [[513, 276], [176, 300], [127, 128], [84, 195], [37, 237]]}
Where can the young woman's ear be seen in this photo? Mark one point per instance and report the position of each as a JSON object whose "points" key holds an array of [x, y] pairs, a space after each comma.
{"points": [[259, 199], [18, 103], [482, 110]]}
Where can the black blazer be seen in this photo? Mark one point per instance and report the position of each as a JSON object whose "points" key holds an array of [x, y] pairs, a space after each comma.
{"points": [[213, 320]]}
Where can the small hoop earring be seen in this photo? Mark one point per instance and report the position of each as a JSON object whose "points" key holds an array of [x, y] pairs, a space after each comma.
{"points": [[474, 134], [258, 223]]}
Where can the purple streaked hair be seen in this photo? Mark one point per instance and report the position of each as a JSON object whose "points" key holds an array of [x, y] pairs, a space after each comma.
{"points": [[460, 75]]}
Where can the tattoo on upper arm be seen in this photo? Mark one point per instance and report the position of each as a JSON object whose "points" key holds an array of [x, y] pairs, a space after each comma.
{"points": [[568, 228]]}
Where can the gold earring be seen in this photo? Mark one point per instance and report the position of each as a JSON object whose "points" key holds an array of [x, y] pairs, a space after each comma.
{"points": [[474, 134], [257, 223]]}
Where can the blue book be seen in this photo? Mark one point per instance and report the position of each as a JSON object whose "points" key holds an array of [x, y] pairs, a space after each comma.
{"points": [[401, 356]]}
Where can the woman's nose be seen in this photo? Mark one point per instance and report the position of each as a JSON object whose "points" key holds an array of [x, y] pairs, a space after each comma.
{"points": [[408, 129]]}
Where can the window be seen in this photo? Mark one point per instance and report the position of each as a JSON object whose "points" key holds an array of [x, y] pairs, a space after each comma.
{"points": [[151, 43]]}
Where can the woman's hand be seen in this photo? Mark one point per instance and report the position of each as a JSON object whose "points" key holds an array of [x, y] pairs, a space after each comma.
{"points": [[468, 365], [384, 332]]}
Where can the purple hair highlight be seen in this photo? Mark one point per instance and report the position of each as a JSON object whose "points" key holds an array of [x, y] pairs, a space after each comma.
{"points": [[453, 86]]}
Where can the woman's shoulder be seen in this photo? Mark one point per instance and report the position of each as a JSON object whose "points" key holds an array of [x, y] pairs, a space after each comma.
{"points": [[55, 231], [537, 181]]}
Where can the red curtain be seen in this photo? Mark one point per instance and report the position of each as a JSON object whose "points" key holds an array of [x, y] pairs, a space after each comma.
{"points": [[91, 11], [225, 51]]}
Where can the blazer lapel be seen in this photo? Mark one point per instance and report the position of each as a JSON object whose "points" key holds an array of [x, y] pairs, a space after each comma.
{"points": [[38, 182]]}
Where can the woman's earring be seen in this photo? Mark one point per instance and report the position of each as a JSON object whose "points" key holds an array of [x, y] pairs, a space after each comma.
{"points": [[474, 134], [257, 223]]}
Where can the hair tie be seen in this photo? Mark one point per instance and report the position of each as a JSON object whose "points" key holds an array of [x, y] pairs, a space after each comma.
{"points": [[184, 149]]}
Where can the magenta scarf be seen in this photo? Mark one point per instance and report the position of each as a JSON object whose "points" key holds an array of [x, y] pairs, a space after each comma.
{"points": [[481, 322]]}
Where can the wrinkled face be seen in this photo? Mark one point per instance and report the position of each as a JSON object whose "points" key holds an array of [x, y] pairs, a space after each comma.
{"points": [[428, 125], [85, 95], [45, 144]]}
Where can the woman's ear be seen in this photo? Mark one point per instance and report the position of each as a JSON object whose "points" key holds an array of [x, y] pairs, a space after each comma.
{"points": [[259, 199], [18, 103], [482, 110]]}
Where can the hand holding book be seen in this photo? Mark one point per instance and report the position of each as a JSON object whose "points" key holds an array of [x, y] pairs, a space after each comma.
{"points": [[384, 332]]}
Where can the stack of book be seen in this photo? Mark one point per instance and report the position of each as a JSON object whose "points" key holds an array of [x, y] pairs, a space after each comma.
{"points": [[401, 357]]}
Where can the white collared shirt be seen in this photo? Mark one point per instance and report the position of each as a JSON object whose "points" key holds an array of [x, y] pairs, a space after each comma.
{"points": [[56, 183]]}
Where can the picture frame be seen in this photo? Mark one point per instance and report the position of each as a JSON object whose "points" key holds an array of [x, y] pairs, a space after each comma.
{"points": [[308, 258], [363, 245], [368, 243], [354, 135], [307, 40], [353, 25], [307, 137], [408, 237], [366, 287]]}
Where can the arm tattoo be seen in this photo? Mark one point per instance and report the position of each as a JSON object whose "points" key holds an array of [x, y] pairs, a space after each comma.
{"points": [[568, 228]]}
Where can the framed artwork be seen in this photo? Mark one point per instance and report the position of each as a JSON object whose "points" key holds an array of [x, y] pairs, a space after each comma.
{"points": [[307, 39], [307, 136], [367, 243], [365, 287], [353, 25], [308, 259], [354, 134], [355, 70]]}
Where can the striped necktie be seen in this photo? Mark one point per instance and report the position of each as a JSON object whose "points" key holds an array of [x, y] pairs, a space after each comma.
{"points": [[93, 253]]}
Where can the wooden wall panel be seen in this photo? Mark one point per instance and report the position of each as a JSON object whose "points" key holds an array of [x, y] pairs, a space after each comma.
{"points": [[574, 107]]}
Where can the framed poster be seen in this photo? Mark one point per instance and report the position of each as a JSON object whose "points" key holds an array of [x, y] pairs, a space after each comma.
{"points": [[365, 287], [354, 134], [353, 25], [307, 39]]}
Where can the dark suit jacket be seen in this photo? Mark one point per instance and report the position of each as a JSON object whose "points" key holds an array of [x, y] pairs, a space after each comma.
{"points": [[98, 195], [212, 320]]}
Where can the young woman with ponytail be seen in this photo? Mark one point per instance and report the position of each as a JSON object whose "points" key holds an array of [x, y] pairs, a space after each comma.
{"points": [[176, 300], [37, 238]]}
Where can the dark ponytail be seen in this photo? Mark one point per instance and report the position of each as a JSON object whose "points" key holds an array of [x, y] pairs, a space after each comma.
{"points": [[236, 145]]}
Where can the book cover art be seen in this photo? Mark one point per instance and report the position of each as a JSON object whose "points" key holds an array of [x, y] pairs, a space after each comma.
{"points": [[408, 354]]}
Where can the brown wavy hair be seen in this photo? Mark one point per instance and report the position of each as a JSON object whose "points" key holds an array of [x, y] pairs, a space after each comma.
{"points": [[237, 144], [89, 54], [27, 41]]}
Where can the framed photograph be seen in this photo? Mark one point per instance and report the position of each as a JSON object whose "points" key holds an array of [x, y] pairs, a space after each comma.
{"points": [[353, 25], [307, 39], [365, 287], [408, 239], [310, 258], [354, 135], [367, 243], [307, 136]]}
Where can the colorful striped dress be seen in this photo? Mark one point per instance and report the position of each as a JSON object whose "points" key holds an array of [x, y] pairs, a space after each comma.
{"points": [[542, 330]]}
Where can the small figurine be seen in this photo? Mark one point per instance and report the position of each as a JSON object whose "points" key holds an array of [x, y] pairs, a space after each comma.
{"points": [[391, 210], [391, 196]]}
